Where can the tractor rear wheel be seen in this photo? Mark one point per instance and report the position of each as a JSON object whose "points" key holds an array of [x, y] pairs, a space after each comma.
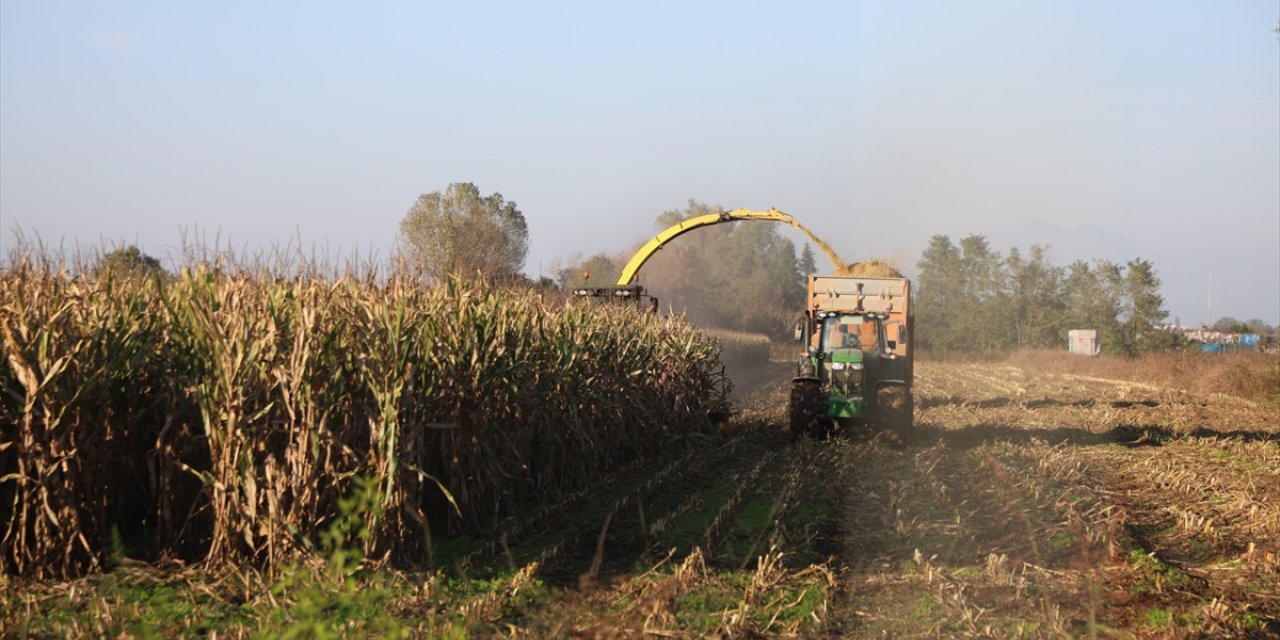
{"points": [[808, 409]]}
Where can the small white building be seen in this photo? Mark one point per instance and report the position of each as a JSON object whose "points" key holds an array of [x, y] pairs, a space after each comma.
{"points": [[1083, 342]]}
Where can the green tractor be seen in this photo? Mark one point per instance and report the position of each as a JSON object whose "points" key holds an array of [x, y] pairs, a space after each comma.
{"points": [[857, 365]]}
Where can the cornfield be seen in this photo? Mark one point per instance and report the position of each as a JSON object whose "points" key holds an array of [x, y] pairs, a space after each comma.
{"points": [[740, 347], [220, 415]]}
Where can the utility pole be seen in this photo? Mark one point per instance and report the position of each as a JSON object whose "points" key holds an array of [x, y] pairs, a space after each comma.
{"points": [[1209, 312]]}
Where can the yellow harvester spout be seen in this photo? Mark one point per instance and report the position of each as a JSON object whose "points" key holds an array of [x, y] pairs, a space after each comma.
{"points": [[652, 246]]}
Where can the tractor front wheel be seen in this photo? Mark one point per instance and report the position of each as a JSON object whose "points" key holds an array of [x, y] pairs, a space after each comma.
{"points": [[808, 409]]}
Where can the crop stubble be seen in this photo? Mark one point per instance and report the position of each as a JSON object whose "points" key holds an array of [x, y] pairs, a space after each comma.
{"points": [[1099, 506]]}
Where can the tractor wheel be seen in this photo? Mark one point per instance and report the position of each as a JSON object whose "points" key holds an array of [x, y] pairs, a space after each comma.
{"points": [[808, 409], [894, 409]]}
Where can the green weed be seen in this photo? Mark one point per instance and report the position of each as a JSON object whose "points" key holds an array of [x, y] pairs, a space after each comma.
{"points": [[1157, 618], [333, 602]]}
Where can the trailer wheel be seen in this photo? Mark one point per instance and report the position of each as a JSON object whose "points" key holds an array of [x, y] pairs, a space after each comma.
{"points": [[808, 409]]}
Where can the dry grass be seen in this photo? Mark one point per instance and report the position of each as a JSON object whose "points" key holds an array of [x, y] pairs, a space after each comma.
{"points": [[1252, 376]]}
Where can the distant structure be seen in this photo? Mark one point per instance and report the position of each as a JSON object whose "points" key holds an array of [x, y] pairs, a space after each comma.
{"points": [[1214, 341], [1083, 342]]}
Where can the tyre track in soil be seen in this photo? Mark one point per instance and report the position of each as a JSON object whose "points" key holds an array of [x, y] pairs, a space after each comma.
{"points": [[1044, 504], [609, 530], [598, 536]]}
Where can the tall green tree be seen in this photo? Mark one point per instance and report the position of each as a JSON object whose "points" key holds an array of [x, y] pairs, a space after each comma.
{"points": [[1144, 310], [808, 262], [597, 271], [1260, 327], [1036, 303], [1229, 324], [983, 317], [1092, 298], [1113, 306], [939, 296], [129, 261], [459, 231]]}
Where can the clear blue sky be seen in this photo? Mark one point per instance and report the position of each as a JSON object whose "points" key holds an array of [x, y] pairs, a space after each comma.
{"points": [[1106, 129]]}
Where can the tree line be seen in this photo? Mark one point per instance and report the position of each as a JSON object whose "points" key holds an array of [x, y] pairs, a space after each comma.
{"points": [[1229, 324], [970, 298], [745, 276]]}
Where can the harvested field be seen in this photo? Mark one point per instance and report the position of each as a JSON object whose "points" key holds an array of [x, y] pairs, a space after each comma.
{"points": [[1027, 504], [1049, 504]]}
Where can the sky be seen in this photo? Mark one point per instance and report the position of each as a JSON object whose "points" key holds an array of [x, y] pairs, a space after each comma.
{"points": [[1113, 129]]}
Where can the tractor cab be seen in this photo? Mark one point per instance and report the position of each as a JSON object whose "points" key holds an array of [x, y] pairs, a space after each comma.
{"points": [[848, 331]]}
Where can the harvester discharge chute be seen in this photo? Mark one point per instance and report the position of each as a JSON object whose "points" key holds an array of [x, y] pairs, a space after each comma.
{"points": [[627, 289]]}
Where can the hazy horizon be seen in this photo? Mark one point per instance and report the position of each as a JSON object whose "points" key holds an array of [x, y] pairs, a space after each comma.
{"points": [[1102, 129]]}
